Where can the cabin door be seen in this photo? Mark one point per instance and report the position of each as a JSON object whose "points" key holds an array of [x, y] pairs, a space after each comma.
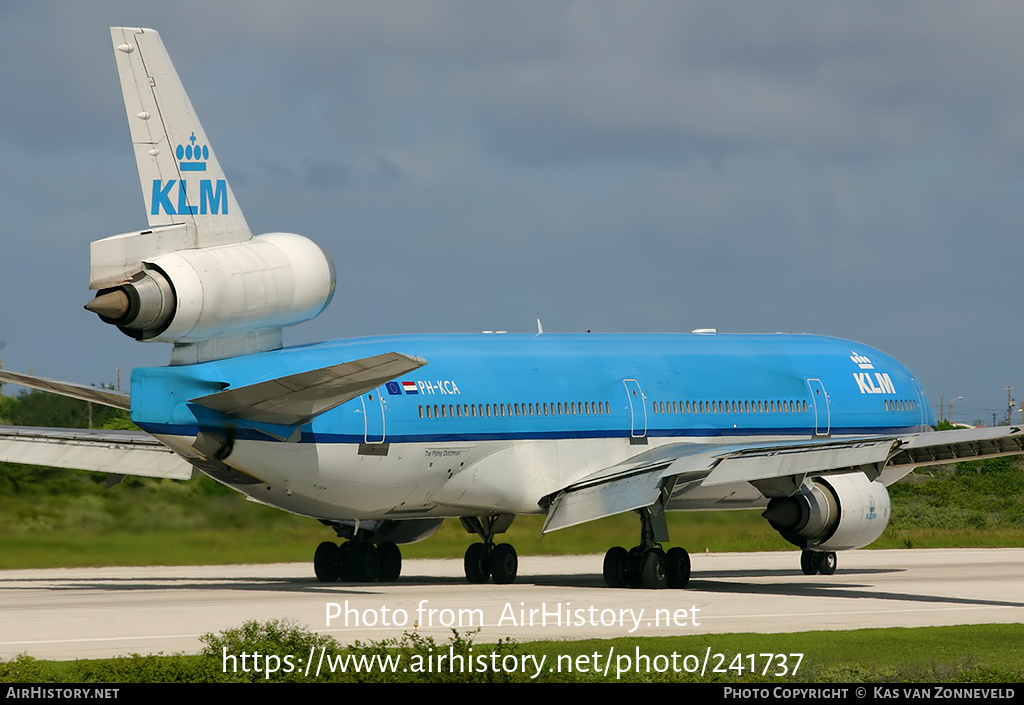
{"points": [[637, 409], [822, 412], [922, 403], [373, 417]]}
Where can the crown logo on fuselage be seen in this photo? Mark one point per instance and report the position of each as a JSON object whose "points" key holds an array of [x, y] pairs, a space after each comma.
{"points": [[862, 362]]}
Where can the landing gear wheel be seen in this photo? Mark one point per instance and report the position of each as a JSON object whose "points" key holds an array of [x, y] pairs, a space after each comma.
{"points": [[327, 562], [389, 558], [652, 574], [677, 567], [616, 564], [809, 562], [827, 564], [477, 563], [634, 567], [504, 564], [363, 564]]}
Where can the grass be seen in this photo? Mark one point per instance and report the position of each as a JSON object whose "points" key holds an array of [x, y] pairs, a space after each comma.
{"points": [[53, 519], [991, 653]]}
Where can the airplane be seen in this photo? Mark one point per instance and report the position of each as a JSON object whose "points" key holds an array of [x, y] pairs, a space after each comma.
{"points": [[381, 438]]}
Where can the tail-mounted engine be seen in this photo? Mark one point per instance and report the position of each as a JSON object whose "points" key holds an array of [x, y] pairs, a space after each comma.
{"points": [[832, 513], [194, 295]]}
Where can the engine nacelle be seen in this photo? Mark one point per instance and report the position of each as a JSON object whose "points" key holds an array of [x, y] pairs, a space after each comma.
{"points": [[193, 295], [832, 513]]}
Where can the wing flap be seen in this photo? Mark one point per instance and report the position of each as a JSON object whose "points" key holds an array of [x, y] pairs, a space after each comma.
{"points": [[118, 452], [627, 486], [600, 501], [754, 464], [297, 399]]}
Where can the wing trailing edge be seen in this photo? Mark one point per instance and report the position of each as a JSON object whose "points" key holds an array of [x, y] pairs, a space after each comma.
{"points": [[117, 452]]}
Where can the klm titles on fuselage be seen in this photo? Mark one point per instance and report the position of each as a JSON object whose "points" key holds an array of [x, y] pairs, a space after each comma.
{"points": [[878, 384], [871, 382], [213, 195]]}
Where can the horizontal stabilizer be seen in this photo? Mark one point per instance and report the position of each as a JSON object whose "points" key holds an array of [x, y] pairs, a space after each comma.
{"points": [[298, 399], [107, 397], [117, 452]]}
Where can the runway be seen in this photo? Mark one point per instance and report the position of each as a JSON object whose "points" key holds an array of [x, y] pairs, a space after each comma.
{"points": [[96, 612]]}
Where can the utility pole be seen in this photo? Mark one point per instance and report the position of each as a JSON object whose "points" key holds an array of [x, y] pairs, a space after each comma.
{"points": [[949, 414], [1009, 405]]}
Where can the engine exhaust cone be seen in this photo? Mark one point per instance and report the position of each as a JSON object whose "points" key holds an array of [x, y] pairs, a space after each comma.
{"points": [[113, 305]]}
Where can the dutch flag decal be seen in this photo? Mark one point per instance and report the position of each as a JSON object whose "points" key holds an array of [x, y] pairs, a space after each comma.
{"points": [[410, 388]]}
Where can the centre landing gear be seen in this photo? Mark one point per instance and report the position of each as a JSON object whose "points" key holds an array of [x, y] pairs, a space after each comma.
{"points": [[487, 560], [821, 562], [357, 561], [648, 565]]}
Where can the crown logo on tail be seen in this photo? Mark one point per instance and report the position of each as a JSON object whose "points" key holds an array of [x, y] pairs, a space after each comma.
{"points": [[192, 157]]}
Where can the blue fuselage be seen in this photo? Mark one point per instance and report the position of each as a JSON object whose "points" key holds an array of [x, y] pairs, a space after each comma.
{"points": [[520, 387]]}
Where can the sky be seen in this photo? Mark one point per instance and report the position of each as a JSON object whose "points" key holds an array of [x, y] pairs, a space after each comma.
{"points": [[848, 169]]}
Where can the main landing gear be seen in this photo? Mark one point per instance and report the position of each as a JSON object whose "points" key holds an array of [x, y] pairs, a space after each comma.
{"points": [[487, 560], [648, 565], [823, 562], [357, 561]]}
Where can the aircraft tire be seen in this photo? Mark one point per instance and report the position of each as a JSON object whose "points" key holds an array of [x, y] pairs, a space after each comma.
{"points": [[652, 573], [634, 567], [389, 558], [616, 563], [677, 567], [827, 564], [327, 562], [810, 562], [504, 564], [477, 563], [363, 562]]}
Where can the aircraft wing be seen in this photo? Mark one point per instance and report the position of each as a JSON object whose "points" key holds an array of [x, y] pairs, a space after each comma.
{"points": [[116, 452], [679, 468], [107, 397], [296, 399]]}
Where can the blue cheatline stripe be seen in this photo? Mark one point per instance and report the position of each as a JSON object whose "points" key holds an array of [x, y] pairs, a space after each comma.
{"points": [[249, 434]]}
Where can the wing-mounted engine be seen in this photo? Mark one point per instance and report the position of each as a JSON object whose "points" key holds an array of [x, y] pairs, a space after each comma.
{"points": [[203, 294], [832, 513]]}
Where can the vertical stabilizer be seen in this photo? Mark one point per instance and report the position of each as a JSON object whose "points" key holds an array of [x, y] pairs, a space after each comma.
{"points": [[182, 181], [196, 277]]}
